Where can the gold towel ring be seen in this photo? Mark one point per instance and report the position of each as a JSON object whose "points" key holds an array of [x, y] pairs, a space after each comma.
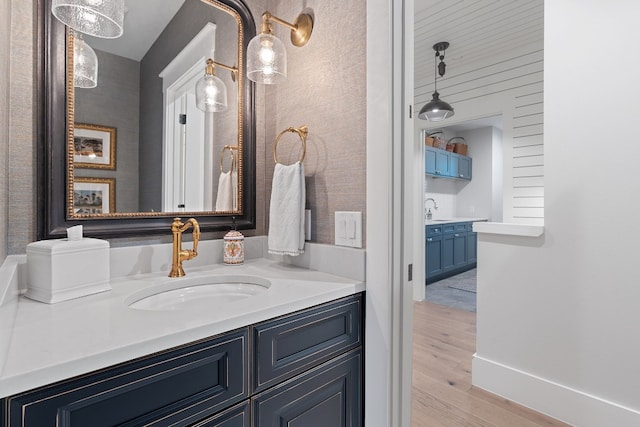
{"points": [[233, 158], [302, 132]]}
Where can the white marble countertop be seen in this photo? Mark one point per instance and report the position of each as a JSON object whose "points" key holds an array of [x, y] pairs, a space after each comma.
{"points": [[51, 342], [437, 221]]}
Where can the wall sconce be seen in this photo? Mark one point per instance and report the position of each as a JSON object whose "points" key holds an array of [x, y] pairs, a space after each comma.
{"points": [[99, 18], [211, 93], [85, 63], [436, 109], [266, 56]]}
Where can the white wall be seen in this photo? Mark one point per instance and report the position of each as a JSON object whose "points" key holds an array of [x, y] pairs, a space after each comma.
{"points": [[475, 197], [510, 86], [558, 315]]}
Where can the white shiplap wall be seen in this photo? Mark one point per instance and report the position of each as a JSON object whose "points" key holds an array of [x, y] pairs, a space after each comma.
{"points": [[494, 67]]}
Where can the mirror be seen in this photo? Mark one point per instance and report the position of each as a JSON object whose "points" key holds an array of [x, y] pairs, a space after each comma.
{"points": [[127, 156]]}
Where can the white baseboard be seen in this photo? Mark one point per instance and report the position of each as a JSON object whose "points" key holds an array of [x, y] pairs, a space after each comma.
{"points": [[556, 400]]}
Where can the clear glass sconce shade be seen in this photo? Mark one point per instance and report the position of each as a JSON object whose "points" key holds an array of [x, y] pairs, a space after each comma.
{"points": [[99, 18], [436, 109], [266, 59], [85, 64], [211, 94]]}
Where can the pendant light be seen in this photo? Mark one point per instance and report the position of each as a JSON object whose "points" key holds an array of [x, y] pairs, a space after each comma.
{"points": [[437, 109], [266, 55], [98, 18], [211, 92], [85, 64]]}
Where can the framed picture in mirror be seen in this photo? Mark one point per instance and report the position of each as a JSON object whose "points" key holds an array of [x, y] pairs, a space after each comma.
{"points": [[94, 146], [94, 195]]}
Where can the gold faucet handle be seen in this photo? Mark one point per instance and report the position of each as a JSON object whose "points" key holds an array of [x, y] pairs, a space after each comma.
{"points": [[196, 235]]}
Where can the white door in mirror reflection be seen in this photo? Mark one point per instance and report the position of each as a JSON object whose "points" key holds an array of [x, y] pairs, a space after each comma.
{"points": [[187, 170], [188, 164]]}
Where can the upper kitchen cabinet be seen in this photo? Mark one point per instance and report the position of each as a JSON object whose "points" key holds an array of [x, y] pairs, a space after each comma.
{"points": [[445, 164]]}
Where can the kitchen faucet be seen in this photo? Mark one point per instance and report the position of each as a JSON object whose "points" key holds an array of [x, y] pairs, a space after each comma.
{"points": [[429, 215]]}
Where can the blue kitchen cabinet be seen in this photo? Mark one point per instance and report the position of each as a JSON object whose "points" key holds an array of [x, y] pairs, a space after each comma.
{"points": [[430, 161], [436, 162], [434, 250], [450, 249], [464, 167], [445, 164], [303, 368], [472, 244]]}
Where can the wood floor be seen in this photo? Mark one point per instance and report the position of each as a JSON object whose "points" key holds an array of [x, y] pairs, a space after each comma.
{"points": [[444, 341]]}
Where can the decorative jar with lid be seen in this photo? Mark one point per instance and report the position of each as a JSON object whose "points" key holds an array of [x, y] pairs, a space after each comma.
{"points": [[233, 247]]}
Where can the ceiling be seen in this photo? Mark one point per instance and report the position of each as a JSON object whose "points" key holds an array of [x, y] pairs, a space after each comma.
{"points": [[144, 20], [477, 30]]}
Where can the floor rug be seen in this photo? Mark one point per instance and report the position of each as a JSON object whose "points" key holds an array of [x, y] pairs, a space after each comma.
{"points": [[468, 287]]}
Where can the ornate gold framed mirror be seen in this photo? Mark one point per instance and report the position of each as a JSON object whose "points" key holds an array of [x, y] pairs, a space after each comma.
{"points": [[139, 128]]}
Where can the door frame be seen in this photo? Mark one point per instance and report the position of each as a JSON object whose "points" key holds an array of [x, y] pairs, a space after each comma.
{"points": [[390, 212]]}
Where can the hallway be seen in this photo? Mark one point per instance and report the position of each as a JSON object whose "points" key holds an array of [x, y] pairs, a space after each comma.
{"points": [[443, 346]]}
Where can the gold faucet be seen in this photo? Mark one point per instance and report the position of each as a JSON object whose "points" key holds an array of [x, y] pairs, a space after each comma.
{"points": [[179, 255]]}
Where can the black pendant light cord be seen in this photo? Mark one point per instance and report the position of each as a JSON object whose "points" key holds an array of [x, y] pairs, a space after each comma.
{"points": [[435, 72]]}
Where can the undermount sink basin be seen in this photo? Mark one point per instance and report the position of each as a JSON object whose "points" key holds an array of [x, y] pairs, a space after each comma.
{"points": [[192, 293]]}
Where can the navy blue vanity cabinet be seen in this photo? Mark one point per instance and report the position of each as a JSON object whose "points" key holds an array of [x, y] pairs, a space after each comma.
{"points": [[176, 387], [315, 353], [332, 397], [292, 344], [433, 251], [306, 369]]}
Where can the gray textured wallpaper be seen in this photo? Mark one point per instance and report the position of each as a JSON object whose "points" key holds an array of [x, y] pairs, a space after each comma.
{"points": [[115, 102], [325, 90], [5, 48], [22, 142]]}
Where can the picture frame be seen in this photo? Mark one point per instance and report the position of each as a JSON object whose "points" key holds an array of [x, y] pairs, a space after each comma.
{"points": [[94, 195], [94, 146]]}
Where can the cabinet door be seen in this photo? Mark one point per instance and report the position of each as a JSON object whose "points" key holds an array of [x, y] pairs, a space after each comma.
{"points": [[176, 387], [459, 250], [430, 160], [454, 251], [447, 252], [442, 162], [472, 247], [454, 165], [292, 344], [332, 397], [464, 167], [433, 256]]}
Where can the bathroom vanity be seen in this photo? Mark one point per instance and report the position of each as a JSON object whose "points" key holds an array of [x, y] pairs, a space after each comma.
{"points": [[257, 372], [292, 352]]}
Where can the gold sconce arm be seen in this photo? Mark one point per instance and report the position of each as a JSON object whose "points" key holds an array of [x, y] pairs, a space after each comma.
{"points": [[211, 64], [300, 29]]}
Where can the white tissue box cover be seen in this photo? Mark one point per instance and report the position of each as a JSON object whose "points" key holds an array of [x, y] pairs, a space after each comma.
{"points": [[58, 270]]}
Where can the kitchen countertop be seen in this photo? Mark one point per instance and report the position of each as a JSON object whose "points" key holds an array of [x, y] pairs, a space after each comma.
{"points": [[437, 221], [52, 342]]}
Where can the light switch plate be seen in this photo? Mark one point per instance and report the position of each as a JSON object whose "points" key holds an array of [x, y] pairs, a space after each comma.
{"points": [[348, 229]]}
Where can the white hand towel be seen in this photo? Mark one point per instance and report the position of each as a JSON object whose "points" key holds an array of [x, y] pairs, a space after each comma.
{"points": [[286, 214], [226, 193]]}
